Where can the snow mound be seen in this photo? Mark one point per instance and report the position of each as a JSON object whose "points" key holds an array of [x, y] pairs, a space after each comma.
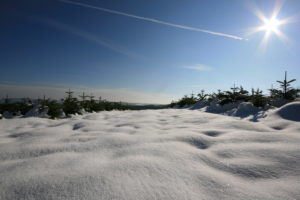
{"points": [[37, 111], [290, 111], [244, 109], [215, 107], [7, 115], [165, 154], [199, 105]]}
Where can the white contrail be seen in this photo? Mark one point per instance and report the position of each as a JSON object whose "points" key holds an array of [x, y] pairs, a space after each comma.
{"points": [[152, 20]]}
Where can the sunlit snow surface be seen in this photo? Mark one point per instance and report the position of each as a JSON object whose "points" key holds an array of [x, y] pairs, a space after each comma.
{"points": [[153, 154]]}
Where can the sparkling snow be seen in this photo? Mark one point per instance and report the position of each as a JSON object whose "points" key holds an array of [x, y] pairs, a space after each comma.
{"points": [[152, 154]]}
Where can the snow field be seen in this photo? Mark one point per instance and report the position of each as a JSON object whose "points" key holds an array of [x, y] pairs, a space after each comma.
{"points": [[152, 154]]}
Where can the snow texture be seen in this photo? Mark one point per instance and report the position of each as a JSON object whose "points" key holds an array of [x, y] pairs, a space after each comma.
{"points": [[153, 154], [215, 107], [38, 111], [290, 111], [199, 105]]}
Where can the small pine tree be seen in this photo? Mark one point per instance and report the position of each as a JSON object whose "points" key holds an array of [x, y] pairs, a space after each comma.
{"points": [[69, 92], [55, 109], [234, 89], [6, 101], [70, 104], [242, 95], [257, 98], [202, 96], [288, 92]]}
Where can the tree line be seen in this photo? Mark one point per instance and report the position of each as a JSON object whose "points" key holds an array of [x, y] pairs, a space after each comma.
{"points": [[239, 94], [70, 105]]}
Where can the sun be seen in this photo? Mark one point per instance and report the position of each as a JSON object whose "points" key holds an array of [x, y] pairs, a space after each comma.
{"points": [[271, 25]]}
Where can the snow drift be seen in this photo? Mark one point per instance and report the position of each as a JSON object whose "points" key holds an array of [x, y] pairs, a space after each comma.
{"points": [[290, 111], [152, 154], [37, 111]]}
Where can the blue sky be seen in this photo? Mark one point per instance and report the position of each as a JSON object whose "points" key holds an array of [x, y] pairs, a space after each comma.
{"points": [[50, 45]]}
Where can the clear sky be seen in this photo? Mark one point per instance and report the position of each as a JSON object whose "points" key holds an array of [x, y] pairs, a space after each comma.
{"points": [[148, 51]]}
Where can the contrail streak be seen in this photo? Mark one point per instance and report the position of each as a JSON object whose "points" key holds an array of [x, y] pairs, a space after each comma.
{"points": [[152, 20]]}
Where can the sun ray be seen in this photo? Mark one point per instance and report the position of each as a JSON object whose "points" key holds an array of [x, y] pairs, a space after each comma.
{"points": [[292, 19], [284, 38], [271, 26], [277, 8], [264, 42]]}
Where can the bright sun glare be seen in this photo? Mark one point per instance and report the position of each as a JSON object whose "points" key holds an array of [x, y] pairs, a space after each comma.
{"points": [[271, 25]]}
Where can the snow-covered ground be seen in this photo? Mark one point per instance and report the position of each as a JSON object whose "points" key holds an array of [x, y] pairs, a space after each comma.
{"points": [[152, 154]]}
